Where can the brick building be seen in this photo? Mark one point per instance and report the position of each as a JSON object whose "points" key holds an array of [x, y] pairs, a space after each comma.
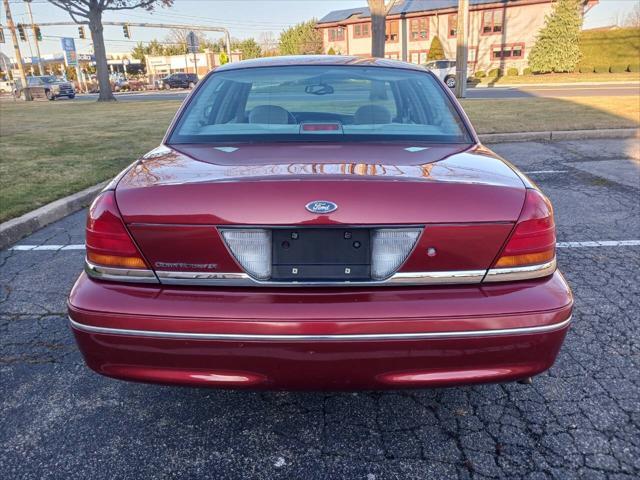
{"points": [[501, 32]]}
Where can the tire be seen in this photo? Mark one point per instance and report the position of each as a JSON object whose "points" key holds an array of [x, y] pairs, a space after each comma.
{"points": [[191, 85], [450, 81], [71, 97], [50, 96]]}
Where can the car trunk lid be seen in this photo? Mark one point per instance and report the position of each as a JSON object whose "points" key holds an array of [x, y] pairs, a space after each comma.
{"points": [[463, 200]]}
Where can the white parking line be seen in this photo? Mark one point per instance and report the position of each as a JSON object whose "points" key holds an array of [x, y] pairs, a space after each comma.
{"points": [[47, 247], [598, 243]]}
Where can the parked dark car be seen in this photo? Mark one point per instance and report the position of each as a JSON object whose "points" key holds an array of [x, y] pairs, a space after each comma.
{"points": [[180, 80], [294, 231], [53, 86]]}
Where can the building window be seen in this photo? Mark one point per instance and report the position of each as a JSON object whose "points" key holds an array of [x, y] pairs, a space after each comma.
{"points": [[419, 57], [452, 25], [419, 28], [492, 22], [336, 34], [473, 54], [362, 30], [507, 52], [391, 31]]}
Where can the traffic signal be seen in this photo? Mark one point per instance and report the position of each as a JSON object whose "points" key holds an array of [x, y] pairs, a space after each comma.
{"points": [[36, 30], [1, 35], [125, 31], [23, 37], [81, 32]]}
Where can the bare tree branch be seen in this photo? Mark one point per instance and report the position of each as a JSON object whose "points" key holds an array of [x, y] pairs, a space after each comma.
{"points": [[389, 7], [92, 10]]}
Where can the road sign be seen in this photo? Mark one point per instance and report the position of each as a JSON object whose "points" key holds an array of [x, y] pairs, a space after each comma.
{"points": [[69, 48], [193, 43]]}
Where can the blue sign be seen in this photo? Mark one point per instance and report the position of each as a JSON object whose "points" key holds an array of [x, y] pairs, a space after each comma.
{"points": [[70, 55]]}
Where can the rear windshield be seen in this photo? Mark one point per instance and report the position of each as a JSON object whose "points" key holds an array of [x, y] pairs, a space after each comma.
{"points": [[308, 103]]}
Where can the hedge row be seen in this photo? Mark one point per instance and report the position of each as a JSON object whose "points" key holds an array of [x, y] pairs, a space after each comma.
{"points": [[604, 68], [513, 72], [610, 49]]}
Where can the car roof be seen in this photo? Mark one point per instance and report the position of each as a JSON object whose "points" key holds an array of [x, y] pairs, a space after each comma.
{"points": [[318, 60]]}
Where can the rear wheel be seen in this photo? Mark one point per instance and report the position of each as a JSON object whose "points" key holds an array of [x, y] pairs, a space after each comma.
{"points": [[72, 96], [191, 85], [450, 81]]}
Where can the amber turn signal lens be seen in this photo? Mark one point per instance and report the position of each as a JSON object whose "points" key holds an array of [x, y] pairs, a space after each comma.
{"points": [[527, 259], [115, 261], [533, 241], [107, 239]]}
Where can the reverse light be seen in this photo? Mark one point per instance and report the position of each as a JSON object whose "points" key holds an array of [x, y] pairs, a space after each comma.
{"points": [[108, 242], [390, 247], [531, 249], [252, 249]]}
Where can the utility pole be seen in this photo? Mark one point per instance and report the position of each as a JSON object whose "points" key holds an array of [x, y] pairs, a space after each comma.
{"points": [[16, 48], [35, 36], [462, 48]]}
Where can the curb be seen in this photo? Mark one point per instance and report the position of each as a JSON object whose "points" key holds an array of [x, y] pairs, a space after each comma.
{"points": [[559, 135], [13, 230]]}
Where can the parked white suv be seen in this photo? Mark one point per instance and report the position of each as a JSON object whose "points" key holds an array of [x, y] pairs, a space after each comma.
{"points": [[445, 70]]}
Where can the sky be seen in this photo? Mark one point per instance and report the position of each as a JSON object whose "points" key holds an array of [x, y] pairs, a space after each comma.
{"points": [[243, 18]]}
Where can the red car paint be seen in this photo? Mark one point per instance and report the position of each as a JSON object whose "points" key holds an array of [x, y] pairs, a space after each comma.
{"points": [[465, 198], [322, 365]]}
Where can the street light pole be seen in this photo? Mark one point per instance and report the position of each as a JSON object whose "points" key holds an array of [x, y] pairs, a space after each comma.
{"points": [[16, 48], [35, 36], [462, 48]]}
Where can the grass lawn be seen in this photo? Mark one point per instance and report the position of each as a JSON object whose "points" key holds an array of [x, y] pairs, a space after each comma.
{"points": [[52, 149], [544, 114], [561, 78]]}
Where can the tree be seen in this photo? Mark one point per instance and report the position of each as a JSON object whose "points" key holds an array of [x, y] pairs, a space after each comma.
{"points": [[268, 44], [632, 19], [177, 39], [436, 50], [140, 51], [249, 48], [301, 39], [379, 12], [83, 11], [557, 47]]}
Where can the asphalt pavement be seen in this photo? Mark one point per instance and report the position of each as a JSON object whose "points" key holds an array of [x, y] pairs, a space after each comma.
{"points": [[579, 420], [576, 90]]}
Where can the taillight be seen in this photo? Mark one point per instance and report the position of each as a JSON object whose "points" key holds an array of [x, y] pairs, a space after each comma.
{"points": [[531, 249], [108, 242], [390, 247], [252, 249]]}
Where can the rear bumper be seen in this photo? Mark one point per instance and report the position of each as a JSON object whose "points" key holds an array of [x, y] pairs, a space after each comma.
{"points": [[318, 339]]}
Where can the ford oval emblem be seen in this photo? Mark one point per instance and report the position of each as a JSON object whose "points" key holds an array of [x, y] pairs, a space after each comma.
{"points": [[321, 206]]}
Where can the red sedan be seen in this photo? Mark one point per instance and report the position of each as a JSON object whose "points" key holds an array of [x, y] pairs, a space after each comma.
{"points": [[320, 223]]}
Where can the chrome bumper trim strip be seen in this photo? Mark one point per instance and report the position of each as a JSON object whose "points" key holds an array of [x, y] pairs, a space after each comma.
{"points": [[313, 338], [242, 279], [120, 274], [520, 273]]}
